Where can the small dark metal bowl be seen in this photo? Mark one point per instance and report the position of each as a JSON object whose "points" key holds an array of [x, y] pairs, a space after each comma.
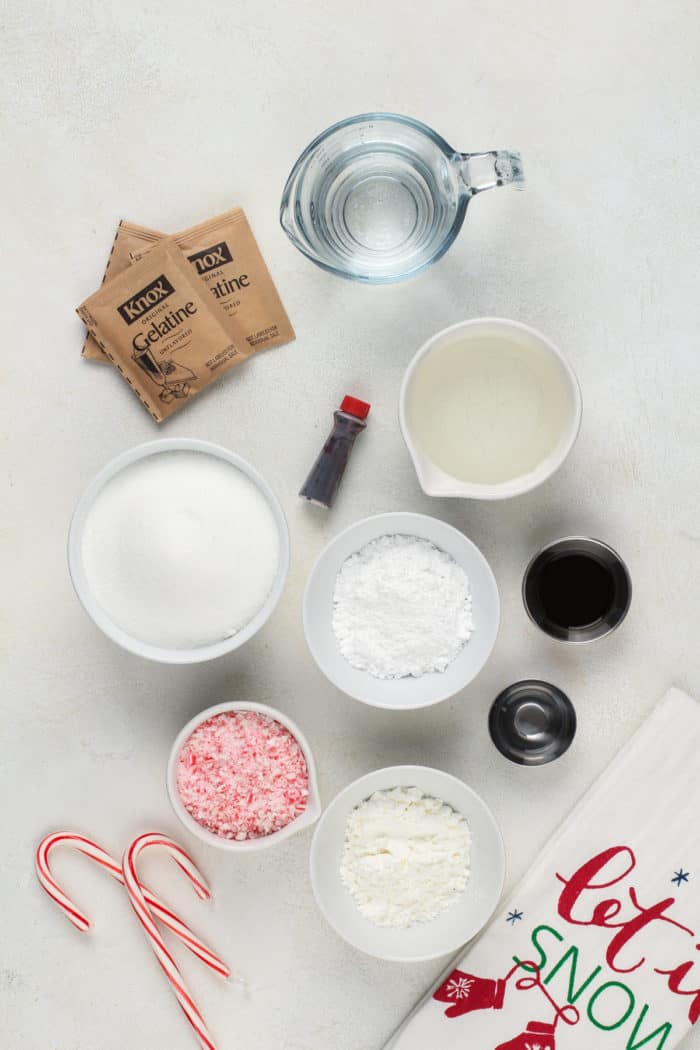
{"points": [[598, 551], [532, 722]]}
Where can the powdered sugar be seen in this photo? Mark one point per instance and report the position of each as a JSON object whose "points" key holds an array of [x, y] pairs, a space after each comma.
{"points": [[242, 775], [406, 856], [401, 607]]}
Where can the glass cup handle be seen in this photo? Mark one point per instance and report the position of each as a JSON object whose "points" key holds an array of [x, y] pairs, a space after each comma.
{"points": [[484, 171]]}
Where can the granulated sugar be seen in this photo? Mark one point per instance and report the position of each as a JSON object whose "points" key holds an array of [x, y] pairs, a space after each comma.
{"points": [[242, 775], [181, 549], [401, 607]]}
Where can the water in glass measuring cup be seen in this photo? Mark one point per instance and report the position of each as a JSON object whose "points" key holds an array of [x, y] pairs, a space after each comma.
{"points": [[379, 197]]}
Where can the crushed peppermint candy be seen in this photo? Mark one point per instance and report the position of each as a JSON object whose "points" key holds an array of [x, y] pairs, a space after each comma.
{"points": [[242, 775]]}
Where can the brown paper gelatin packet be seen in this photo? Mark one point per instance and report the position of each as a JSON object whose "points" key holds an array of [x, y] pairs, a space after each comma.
{"points": [[129, 238], [225, 255], [155, 322]]}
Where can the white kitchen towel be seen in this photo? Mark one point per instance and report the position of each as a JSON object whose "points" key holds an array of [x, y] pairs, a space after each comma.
{"points": [[598, 948]]}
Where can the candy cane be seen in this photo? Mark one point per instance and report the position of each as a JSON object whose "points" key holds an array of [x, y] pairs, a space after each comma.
{"points": [[143, 913], [104, 860]]}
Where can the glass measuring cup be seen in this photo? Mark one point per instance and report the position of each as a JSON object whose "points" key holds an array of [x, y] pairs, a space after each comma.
{"points": [[380, 197]]}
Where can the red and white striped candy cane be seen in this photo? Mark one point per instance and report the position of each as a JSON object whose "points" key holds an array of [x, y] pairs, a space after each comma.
{"points": [[109, 864], [143, 913]]}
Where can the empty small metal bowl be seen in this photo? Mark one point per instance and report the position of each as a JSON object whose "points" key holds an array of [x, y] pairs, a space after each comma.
{"points": [[602, 557], [532, 722]]}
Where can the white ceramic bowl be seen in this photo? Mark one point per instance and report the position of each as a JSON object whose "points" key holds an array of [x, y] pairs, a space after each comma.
{"points": [[533, 347], [448, 931], [400, 693], [304, 820], [96, 611]]}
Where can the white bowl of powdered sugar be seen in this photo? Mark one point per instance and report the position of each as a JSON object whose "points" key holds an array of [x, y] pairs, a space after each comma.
{"points": [[179, 550], [401, 611]]}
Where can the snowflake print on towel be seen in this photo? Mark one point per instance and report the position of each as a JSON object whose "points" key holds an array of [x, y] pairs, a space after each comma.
{"points": [[465, 993], [459, 987]]}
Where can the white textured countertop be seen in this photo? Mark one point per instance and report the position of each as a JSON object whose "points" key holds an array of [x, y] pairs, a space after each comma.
{"points": [[166, 114]]}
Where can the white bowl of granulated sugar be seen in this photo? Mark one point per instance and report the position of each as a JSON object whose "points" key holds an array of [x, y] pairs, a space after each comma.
{"points": [[407, 863], [179, 550], [401, 611]]}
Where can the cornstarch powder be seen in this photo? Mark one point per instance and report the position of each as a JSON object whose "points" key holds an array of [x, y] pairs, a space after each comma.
{"points": [[401, 608], [406, 856]]}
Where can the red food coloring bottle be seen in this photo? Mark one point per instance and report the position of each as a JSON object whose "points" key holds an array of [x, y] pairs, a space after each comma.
{"points": [[326, 474]]}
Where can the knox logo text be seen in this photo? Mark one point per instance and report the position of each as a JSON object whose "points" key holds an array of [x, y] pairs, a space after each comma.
{"points": [[141, 302], [209, 258]]}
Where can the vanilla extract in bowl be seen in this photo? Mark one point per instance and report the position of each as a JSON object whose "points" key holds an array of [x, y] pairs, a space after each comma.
{"points": [[577, 589]]}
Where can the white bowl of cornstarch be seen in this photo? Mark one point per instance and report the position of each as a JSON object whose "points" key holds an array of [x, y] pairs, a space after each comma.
{"points": [[401, 611], [385, 876], [179, 550]]}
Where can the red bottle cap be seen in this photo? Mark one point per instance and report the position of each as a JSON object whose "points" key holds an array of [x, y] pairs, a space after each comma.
{"points": [[354, 407]]}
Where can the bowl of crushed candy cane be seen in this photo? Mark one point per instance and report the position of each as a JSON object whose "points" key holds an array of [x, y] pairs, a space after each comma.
{"points": [[242, 777]]}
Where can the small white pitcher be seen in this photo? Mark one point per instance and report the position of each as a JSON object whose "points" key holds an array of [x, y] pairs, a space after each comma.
{"points": [[548, 401]]}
